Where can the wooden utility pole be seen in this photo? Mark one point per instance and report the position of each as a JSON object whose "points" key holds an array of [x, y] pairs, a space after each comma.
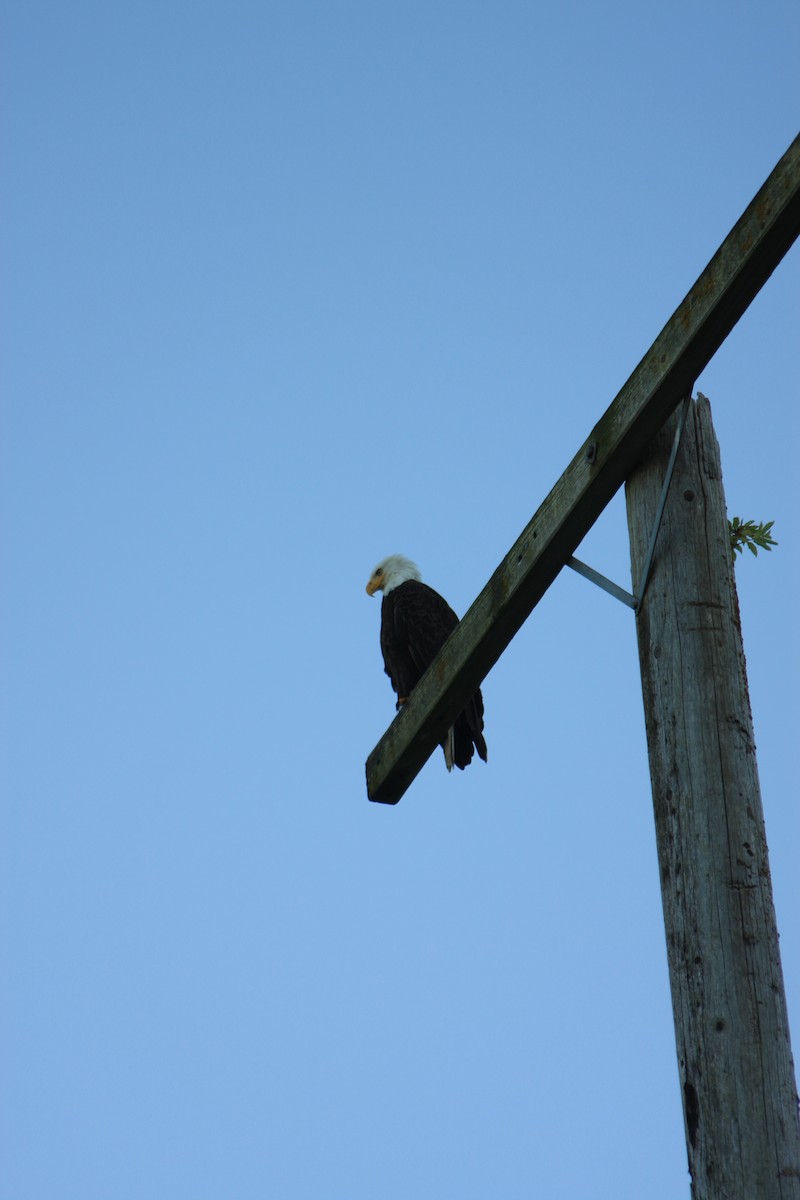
{"points": [[731, 1025], [735, 1063]]}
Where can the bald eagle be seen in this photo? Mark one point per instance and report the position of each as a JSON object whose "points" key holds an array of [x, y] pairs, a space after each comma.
{"points": [[415, 623]]}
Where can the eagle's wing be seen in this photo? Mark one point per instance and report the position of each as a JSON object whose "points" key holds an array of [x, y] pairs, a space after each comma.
{"points": [[423, 622]]}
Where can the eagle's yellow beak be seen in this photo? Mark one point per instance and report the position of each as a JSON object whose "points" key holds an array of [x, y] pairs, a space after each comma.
{"points": [[374, 585]]}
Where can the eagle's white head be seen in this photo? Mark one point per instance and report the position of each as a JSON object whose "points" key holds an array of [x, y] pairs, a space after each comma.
{"points": [[393, 571]]}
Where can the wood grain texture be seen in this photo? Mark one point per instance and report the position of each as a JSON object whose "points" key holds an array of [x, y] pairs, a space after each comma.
{"points": [[666, 374], [731, 1025]]}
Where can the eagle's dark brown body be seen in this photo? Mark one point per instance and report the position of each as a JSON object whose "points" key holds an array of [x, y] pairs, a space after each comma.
{"points": [[415, 623]]}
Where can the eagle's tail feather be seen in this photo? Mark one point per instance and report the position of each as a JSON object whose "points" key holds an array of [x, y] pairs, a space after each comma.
{"points": [[449, 747]]}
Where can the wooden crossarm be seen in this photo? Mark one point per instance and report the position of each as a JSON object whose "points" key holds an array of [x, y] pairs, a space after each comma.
{"points": [[686, 344]]}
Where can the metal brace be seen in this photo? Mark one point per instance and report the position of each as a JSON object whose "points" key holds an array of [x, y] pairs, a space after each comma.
{"points": [[613, 589]]}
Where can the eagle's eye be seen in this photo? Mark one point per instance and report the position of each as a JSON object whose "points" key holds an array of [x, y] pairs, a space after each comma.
{"points": [[379, 571]]}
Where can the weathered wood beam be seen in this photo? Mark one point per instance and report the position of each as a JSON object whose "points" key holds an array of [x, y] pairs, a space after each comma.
{"points": [[731, 1023], [691, 337]]}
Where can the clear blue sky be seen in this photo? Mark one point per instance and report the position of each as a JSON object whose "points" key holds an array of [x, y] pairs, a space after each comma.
{"points": [[288, 287]]}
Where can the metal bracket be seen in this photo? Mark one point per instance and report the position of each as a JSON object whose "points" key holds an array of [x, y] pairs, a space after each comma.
{"points": [[613, 589], [593, 576]]}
